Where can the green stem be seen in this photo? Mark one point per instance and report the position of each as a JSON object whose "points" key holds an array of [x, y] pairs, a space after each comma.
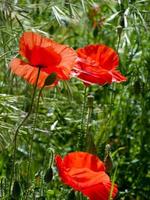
{"points": [[13, 174], [81, 134], [83, 109], [90, 146], [89, 119], [80, 196], [31, 143], [51, 159], [113, 183], [119, 39]]}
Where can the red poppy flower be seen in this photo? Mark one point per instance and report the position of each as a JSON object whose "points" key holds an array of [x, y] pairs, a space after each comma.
{"points": [[96, 64], [42, 52], [86, 173]]}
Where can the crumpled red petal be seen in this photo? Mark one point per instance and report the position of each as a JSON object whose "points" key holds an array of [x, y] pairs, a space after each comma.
{"points": [[86, 173], [101, 191], [101, 79], [105, 56], [83, 159], [96, 64], [117, 76]]}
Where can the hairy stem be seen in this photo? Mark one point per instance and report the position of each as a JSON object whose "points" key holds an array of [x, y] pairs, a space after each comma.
{"points": [[81, 134], [13, 174], [31, 140]]}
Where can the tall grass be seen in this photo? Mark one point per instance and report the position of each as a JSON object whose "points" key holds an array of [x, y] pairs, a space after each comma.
{"points": [[120, 115]]}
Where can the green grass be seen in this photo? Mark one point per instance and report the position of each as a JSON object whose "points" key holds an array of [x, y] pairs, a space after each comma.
{"points": [[121, 114]]}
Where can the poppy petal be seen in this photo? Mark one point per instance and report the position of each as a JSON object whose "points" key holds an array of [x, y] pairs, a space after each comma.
{"points": [[86, 178], [66, 178], [101, 79], [83, 159], [29, 41], [45, 57], [100, 191], [28, 72], [105, 56], [96, 64], [78, 170], [52, 56], [68, 58], [88, 52], [117, 76]]}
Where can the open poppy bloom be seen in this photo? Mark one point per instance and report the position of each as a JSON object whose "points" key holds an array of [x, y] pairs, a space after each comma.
{"points": [[86, 173], [96, 64], [40, 52]]}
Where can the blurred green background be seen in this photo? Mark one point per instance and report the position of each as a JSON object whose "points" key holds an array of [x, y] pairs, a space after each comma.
{"points": [[121, 114]]}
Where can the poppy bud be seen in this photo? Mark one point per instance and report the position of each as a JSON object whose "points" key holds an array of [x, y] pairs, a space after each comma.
{"points": [[122, 24], [48, 175], [107, 149], [50, 79], [41, 198], [119, 30], [95, 32], [108, 160], [108, 163], [37, 178], [137, 87], [16, 190], [71, 195], [90, 101]]}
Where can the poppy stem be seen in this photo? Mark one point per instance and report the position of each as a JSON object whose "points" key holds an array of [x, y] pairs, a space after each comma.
{"points": [[84, 105], [119, 32], [79, 196], [118, 43], [13, 173], [113, 183], [51, 158], [90, 146], [34, 124], [90, 109], [31, 140], [82, 132]]}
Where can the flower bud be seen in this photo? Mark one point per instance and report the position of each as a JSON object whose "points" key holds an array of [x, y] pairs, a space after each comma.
{"points": [[108, 160], [16, 190], [90, 100], [119, 30], [71, 195], [48, 175], [108, 163]]}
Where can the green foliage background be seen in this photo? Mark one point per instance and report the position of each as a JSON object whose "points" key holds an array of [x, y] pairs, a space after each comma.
{"points": [[121, 114]]}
